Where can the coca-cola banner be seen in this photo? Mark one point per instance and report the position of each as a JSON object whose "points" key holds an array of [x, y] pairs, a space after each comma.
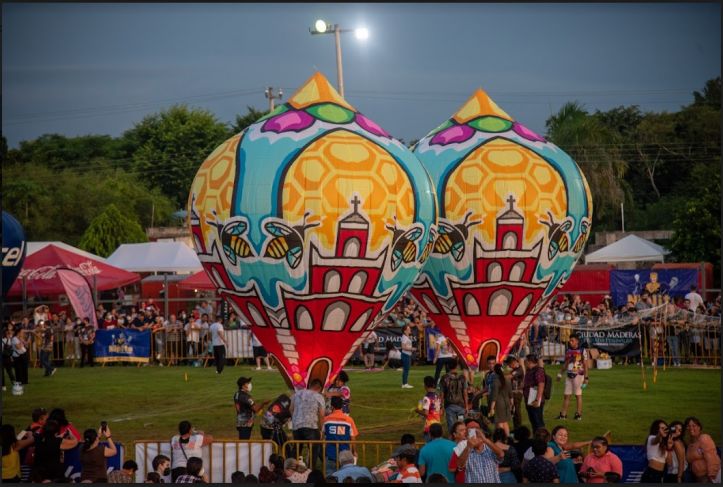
{"points": [[79, 294]]}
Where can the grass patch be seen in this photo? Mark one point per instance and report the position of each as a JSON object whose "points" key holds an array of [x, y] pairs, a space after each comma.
{"points": [[148, 402]]}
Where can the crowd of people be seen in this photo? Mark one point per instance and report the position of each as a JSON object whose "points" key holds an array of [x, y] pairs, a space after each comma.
{"points": [[468, 435]]}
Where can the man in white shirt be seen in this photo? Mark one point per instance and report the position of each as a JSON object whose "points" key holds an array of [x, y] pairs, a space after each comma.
{"points": [[193, 337], [218, 340], [695, 300]]}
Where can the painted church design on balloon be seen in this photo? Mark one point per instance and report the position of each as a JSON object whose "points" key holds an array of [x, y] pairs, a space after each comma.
{"points": [[341, 288], [503, 285]]}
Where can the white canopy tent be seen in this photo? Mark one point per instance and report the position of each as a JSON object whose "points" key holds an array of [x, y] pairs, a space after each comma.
{"points": [[628, 249], [156, 257]]}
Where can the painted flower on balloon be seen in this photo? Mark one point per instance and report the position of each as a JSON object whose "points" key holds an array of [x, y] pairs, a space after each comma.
{"points": [[313, 222], [515, 213]]}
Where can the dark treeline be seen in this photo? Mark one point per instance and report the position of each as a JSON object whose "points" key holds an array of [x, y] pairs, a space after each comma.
{"points": [[664, 167]]}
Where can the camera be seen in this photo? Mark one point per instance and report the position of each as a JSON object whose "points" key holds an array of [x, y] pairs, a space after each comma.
{"points": [[575, 453], [104, 426]]}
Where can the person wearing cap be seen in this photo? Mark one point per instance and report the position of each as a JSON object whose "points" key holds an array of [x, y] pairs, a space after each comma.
{"points": [[246, 408], [348, 469]]}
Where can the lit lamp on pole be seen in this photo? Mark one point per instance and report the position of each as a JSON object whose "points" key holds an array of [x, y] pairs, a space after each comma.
{"points": [[323, 27]]}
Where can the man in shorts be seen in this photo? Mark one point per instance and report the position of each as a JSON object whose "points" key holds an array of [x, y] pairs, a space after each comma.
{"points": [[259, 353], [576, 370]]}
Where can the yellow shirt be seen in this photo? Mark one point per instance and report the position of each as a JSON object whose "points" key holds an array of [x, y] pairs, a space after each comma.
{"points": [[11, 465]]}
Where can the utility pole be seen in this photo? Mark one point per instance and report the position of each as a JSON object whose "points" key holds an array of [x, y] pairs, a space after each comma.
{"points": [[269, 93]]}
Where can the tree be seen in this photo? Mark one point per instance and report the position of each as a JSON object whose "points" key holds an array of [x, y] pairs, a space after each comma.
{"points": [[167, 148], [60, 152], [696, 226], [596, 150], [710, 95], [252, 115], [109, 230]]}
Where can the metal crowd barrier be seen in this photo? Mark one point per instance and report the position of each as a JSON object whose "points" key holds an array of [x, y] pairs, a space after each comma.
{"points": [[220, 459], [168, 347], [369, 453], [681, 337]]}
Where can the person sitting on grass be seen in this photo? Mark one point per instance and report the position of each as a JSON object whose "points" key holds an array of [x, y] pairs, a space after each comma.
{"points": [[194, 472], [349, 469], [539, 469], [126, 475], [11, 447], [408, 472], [598, 466]]}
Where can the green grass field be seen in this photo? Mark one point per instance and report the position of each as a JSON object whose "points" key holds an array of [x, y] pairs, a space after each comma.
{"points": [[148, 402]]}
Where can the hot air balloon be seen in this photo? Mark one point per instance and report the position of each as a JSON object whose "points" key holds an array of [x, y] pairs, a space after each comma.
{"points": [[514, 215], [312, 222], [14, 250]]}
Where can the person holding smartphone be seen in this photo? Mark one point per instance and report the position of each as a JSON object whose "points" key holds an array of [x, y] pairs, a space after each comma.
{"points": [[482, 457], [598, 465], [93, 457], [561, 455]]}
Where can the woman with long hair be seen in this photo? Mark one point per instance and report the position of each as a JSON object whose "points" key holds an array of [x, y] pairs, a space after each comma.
{"points": [[510, 464], [657, 452], [94, 466], [47, 465], [501, 399], [701, 454], [11, 456], [65, 426], [677, 463], [562, 456]]}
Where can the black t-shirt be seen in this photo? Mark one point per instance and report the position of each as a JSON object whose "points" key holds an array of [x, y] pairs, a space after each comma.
{"points": [[47, 463]]}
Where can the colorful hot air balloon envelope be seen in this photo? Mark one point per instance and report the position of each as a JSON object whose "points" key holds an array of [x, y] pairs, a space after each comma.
{"points": [[313, 222], [514, 215], [14, 250]]}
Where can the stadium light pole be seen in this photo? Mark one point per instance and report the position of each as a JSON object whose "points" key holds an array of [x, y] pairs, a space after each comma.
{"points": [[323, 27]]}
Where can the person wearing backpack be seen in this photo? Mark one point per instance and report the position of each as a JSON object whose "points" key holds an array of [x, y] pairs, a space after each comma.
{"points": [[534, 391], [454, 394]]}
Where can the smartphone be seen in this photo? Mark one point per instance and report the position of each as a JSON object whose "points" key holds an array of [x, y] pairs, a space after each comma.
{"points": [[103, 425], [471, 433], [575, 453]]}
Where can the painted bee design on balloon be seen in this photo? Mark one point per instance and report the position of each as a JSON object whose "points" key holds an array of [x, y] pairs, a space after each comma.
{"points": [[429, 246], [234, 245], [288, 241], [582, 238], [452, 238], [557, 233], [403, 247]]}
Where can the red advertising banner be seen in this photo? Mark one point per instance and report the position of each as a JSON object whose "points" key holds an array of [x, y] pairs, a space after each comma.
{"points": [[79, 294]]}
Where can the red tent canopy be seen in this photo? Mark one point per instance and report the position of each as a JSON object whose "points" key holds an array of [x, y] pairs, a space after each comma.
{"points": [[199, 280], [42, 280]]}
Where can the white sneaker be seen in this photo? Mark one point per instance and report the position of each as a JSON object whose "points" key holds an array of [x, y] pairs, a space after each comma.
{"points": [[270, 368], [258, 368], [407, 386]]}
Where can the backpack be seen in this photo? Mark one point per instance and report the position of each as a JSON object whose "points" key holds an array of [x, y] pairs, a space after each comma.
{"points": [[454, 389], [548, 387]]}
